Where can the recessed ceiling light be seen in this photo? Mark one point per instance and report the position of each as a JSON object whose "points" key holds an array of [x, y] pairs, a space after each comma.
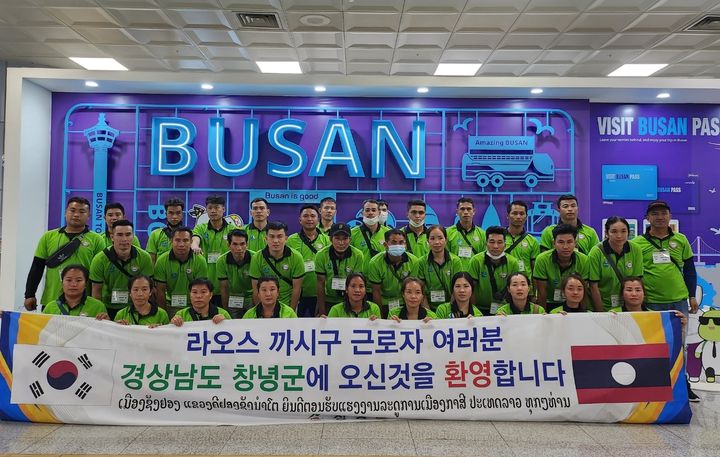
{"points": [[457, 69], [91, 84], [287, 67], [638, 69], [206, 86], [422, 90], [95, 63], [536, 91], [663, 95], [320, 88]]}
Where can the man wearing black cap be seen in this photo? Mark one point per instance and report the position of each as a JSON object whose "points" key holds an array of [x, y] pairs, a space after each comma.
{"points": [[669, 270], [333, 264]]}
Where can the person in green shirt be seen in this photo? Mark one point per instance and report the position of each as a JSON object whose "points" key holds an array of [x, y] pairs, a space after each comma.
{"points": [[141, 311], [586, 236], [74, 301], [461, 305], [518, 297], [552, 266], [388, 269], [210, 239], [369, 236], [355, 303], [610, 261], [465, 239], [111, 268], [308, 241], [573, 289], [257, 227], [280, 261], [71, 244], [176, 269], [201, 308], [269, 306], [328, 210], [233, 270], [383, 213], [490, 270], [437, 268], [413, 293], [519, 243], [415, 231], [159, 239], [333, 264], [114, 212]]}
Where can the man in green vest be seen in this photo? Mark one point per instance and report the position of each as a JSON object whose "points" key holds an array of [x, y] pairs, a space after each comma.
{"points": [[587, 238], [159, 240]]}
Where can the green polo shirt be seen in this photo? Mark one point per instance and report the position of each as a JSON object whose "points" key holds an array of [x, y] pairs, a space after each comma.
{"points": [[525, 251], [481, 270], [629, 263], [438, 278], [308, 250], [159, 241], [389, 277], [662, 276], [213, 243], [52, 240], [187, 316], [361, 234], [256, 238], [177, 275], [108, 241], [237, 274], [586, 238], [329, 265], [397, 311], [547, 269], [289, 266], [532, 308], [444, 311], [156, 316], [281, 311], [564, 308], [89, 307], [460, 240], [105, 270], [417, 245], [369, 309]]}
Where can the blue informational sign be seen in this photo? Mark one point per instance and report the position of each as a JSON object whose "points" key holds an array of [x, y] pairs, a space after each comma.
{"points": [[629, 182], [681, 194]]}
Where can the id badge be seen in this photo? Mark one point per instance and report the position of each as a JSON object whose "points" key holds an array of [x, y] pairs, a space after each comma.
{"points": [[557, 296], [179, 301], [309, 266], [437, 296], [521, 265], [661, 257], [213, 257], [615, 300], [494, 307], [338, 284], [119, 296], [236, 301], [392, 304], [465, 252]]}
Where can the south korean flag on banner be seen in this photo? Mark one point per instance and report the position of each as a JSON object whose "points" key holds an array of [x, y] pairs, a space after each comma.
{"points": [[49, 375]]}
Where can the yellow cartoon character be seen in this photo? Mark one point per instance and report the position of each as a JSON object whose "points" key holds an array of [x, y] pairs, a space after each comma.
{"points": [[708, 350]]}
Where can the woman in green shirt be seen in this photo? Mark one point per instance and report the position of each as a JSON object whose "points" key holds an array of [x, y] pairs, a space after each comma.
{"points": [[518, 297], [462, 296], [437, 268], [413, 293], [74, 301], [574, 289], [355, 303], [141, 310], [268, 292]]}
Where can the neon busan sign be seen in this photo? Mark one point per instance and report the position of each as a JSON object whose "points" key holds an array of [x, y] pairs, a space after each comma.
{"points": [[172, 138]]}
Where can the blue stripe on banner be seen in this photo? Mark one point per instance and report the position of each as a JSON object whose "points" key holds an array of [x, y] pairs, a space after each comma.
{"points": [[8, 336], [678, 410]]}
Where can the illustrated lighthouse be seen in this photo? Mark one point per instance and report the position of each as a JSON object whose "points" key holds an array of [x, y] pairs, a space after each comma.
{"points": [[101, 138]]}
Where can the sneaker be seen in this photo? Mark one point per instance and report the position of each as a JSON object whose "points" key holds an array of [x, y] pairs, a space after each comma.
{"points": [[692, 396]]}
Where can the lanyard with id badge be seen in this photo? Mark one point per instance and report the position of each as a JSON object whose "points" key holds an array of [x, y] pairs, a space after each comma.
{"points": [[438, 296], [660, 255], [465, 251]]}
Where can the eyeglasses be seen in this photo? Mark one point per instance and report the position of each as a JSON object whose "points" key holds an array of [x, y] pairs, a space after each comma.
{"points": [[704, 320]]}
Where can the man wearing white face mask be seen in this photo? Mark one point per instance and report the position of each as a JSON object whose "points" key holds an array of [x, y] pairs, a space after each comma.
{"points": [[383, 212], [490, 270], [388, 270], [369, 236], [416, 231]]}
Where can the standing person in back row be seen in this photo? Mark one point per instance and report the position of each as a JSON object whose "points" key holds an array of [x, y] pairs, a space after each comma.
{"points": [[586, 236], [369, 236], [159, 241], [256, 229], [465, 239], [114, 211], [328, 209], [668, 267], [523, 246], [415, 231]]}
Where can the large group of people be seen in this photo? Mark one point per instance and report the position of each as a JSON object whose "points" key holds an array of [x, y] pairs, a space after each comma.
{"points": [[217, 271]]}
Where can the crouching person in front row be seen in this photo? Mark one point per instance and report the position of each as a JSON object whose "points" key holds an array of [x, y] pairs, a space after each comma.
{"points": [[200, 309]]}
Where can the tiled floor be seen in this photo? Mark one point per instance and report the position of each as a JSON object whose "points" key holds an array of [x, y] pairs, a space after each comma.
{"points": [[404, 438]]}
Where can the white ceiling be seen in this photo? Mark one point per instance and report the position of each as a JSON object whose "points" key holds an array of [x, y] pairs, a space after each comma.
{"points": [[537, 38]]}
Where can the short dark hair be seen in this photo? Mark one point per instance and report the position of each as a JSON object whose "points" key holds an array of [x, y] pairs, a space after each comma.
{"points": [[370, 200], [277, 225], [395, 231], [495, 230], [564, 229], [80, 200], [78, 267], [215, 200], [182, 228], [565, 197], [201, 282], [259, 199], [114, 205], [122, 223], [236, 232], [132, 280], [516, 203], [464, 200], [381, 202], [309, 206], [327, 199], [416, 202], [174, 202], [268, 279]]}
